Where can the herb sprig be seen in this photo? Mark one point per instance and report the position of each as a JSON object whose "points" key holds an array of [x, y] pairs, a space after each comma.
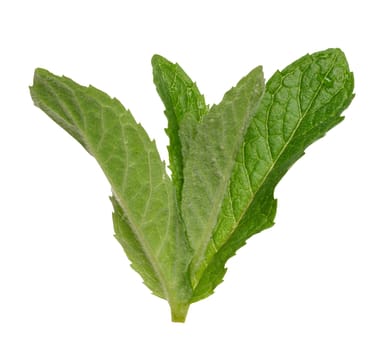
{"points": [[226, 161]]}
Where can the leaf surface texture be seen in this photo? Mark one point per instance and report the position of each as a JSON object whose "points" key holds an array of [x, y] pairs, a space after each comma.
{"points": [[225, 160], [146, 218]]}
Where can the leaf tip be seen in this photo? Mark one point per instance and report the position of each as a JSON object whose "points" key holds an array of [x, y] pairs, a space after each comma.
{"points": [[158, 60], [41, 74]]}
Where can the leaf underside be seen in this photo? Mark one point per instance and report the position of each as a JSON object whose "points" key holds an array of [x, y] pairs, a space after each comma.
{"points": [[146, 219], [225, 160]]}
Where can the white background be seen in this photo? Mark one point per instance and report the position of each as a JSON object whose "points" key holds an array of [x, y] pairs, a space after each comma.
{"points": [[313, 281]]}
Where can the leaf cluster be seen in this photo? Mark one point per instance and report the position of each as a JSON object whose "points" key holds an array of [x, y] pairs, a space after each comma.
{"points": [[226, 161]]}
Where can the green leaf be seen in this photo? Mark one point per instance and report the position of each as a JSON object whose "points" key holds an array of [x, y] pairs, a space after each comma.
{"points": [[299, 106], [184, 108], [146, 218], [211, 159]]}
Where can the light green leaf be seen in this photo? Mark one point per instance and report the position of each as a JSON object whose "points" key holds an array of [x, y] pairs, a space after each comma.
{"points": [[211, 159], [299, 106], [146, 218], [183, 105]]}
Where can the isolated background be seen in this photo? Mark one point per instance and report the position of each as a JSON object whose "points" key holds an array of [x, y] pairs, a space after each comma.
{"points": [[313, 281]]}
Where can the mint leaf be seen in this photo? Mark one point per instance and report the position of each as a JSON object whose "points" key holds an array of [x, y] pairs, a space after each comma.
{"points": [[146, 219], [300, 104], [184, 106], [226, 162], [211, 159]]}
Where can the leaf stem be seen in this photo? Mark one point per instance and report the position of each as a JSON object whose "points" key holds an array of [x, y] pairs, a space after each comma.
{"points": [[179, 311]]}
